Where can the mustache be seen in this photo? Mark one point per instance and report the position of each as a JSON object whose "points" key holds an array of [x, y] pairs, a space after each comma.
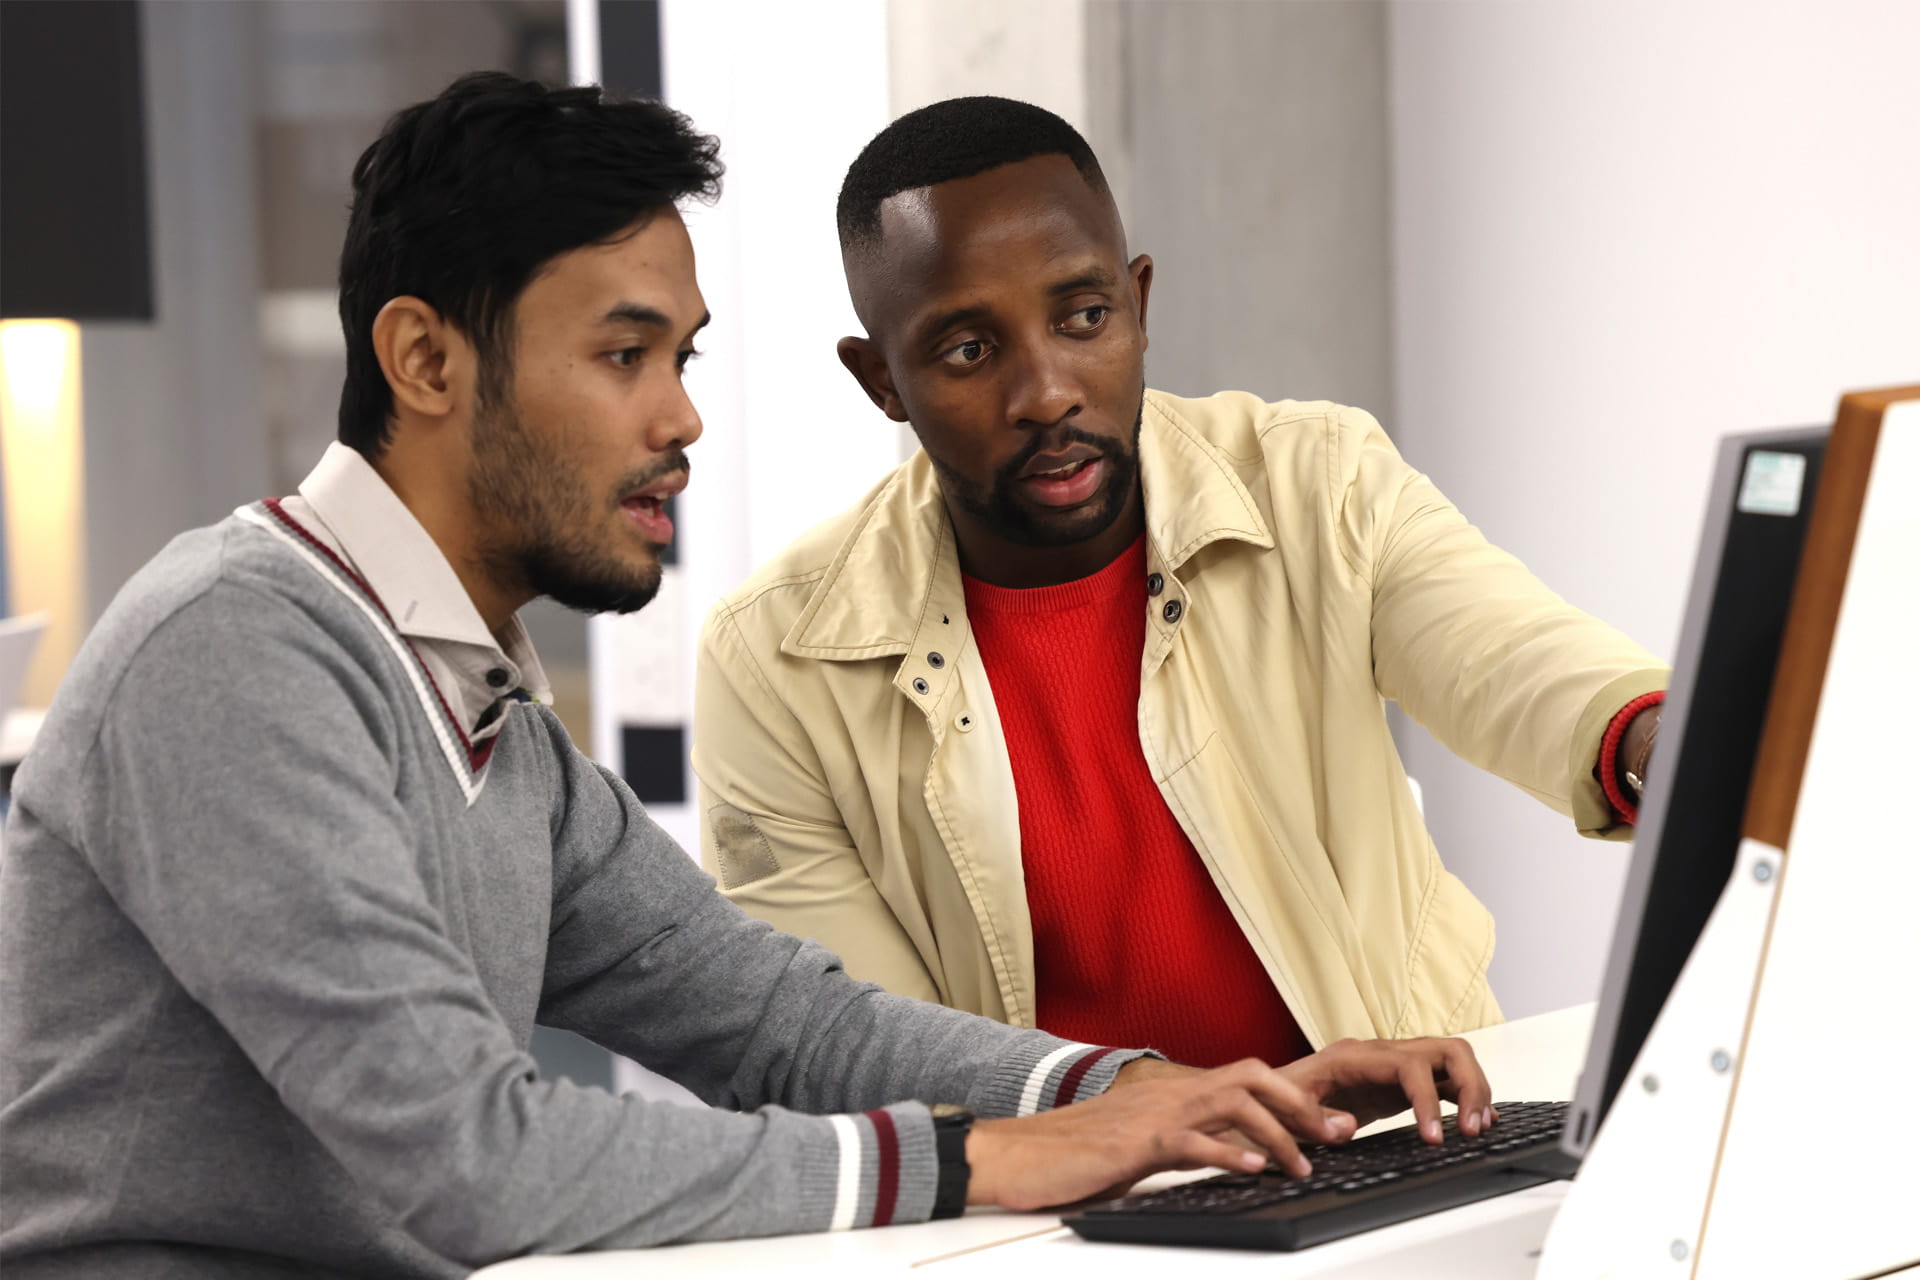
{"points": [[1048, 443], [669, 463]]}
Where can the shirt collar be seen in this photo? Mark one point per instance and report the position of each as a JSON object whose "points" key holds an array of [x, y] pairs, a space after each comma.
{"points": [[899, 565], [408, 572]]}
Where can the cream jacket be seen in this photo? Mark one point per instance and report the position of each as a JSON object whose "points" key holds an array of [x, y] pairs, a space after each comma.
{"points": [[855, 784]]}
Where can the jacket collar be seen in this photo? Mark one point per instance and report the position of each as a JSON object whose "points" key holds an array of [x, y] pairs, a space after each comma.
{"points": [[898, 569]]}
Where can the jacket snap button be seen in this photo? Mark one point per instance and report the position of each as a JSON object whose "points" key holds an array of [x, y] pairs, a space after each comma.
{"points": [[935, 661], [1154, 583], [964, 724], [919, 685], [1172, 612]]}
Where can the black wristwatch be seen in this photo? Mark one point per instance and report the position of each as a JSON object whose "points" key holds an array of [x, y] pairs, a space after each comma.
{"points": [[951, 1125]]}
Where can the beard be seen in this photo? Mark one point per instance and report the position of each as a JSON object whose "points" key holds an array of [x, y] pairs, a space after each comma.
{"points": [[1000, 509], [553, 530]]}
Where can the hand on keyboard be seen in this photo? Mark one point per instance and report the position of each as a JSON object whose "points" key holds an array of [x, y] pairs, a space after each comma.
{"points": [[1371, 1079], [1189, 1121]]}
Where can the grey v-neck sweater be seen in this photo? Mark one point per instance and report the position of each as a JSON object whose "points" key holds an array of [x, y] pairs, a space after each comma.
{"points": [[273, 942]]}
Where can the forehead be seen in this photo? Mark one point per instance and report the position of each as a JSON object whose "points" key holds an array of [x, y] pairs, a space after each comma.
{"points": [[991, 230], [651, 263]]}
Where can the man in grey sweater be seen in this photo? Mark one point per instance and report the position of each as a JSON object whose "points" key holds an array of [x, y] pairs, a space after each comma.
{"points": [[301, 857]]}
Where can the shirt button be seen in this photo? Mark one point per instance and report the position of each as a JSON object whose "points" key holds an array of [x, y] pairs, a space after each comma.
{"points": [[935, 661], [964, 723], [1154, 583], [499, 677], [1172, 611], [920, 686]]}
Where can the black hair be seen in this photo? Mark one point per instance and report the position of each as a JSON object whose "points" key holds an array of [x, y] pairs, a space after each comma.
{"points": [[947, 141], [464, 198]]}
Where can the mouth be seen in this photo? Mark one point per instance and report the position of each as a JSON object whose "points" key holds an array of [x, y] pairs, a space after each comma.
{"points": [[648, 507], [1064, 478]]}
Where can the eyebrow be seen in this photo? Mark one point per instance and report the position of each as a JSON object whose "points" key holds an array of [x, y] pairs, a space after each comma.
{"points": [[1091, 278], [639, 314]]}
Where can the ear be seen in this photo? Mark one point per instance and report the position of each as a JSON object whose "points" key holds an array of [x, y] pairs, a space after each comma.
{"points": [[1140, 270], [428, 363], [869, 369]]}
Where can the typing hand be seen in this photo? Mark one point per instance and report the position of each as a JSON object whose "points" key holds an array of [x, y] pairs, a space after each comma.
{"points": [[1369, 1079], [1170, 1120]]}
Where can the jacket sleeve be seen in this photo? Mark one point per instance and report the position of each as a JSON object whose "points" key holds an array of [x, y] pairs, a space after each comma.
{"points": [[268, 862], [1508, 675], [770, 829]]}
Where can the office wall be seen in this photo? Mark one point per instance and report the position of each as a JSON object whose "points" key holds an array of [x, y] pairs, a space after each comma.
{"points": [[1620, 230], [1247, 148]]}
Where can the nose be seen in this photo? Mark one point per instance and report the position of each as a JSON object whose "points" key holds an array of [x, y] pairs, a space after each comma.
{"points": [[1042, 388], [677, 424]]}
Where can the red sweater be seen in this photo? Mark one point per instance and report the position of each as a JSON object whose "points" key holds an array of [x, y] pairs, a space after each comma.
{"points": [[1132, 942]]}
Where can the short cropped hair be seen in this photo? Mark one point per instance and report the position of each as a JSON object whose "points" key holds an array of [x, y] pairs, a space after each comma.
{"points": [[947, 141], [463, 199]]}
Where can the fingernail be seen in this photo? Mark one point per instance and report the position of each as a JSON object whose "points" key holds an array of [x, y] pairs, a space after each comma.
{"points": [[1486, 1117], [1340, 1123], [1253, 1162], [1469, 1122], [1432, 1129]]}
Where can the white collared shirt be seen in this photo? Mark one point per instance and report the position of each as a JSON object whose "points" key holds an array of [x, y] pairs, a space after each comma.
{"points": [[347, 505]]}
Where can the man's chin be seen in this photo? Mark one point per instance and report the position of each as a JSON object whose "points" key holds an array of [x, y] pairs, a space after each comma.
{"points": [[598, 590], [1039, 525]]}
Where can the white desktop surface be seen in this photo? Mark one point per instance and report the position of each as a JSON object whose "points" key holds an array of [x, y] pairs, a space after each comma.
{"points": [[1529, 1059]]}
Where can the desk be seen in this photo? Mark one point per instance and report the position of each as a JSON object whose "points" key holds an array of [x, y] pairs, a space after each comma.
{"points": [[1529, 1059]]}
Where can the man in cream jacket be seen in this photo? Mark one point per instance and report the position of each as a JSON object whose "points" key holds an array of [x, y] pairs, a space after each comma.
{"points": [[1076, 720]]}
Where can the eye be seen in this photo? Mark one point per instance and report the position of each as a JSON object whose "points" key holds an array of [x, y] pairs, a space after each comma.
{"points": [[686, 357], [626, 357], [970, 352], [1087, 319]]}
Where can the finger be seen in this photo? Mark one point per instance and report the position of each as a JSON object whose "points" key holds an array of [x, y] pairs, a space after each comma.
{"points": [[1416, 1081], [1300, 1109], [1467, 1081], [1254, 1120], [1193, 1149]]}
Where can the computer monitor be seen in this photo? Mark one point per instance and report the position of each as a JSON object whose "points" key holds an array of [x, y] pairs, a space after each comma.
{"points": [[1690, 818]]}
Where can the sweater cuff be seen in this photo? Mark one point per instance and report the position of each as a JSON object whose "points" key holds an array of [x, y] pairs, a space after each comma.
{"points": [[1043, 1073], [881, 1169]]}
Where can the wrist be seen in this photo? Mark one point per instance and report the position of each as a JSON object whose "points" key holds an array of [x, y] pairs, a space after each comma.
{"points": [[985, 1147], [1628, 739], [1141, 1070]]}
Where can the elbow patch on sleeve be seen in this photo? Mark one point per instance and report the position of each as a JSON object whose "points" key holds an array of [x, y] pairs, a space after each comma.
{"points": [[741, 854]]}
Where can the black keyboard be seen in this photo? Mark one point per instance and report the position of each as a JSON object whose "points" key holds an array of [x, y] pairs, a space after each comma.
{"points": [[1370, 1182]]}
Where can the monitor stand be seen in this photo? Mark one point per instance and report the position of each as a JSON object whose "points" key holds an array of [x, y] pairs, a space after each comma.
{"points": [[1762, 1131]]}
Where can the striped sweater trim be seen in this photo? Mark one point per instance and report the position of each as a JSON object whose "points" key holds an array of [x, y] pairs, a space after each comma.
{"points": [[468, 761], [873, 1170], [1044, 1073], [1055, 1080]]}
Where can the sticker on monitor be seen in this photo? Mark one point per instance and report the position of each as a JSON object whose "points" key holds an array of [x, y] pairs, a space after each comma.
{"points": [[1772, 483]]}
